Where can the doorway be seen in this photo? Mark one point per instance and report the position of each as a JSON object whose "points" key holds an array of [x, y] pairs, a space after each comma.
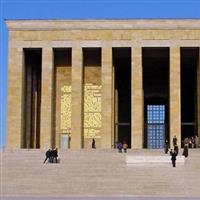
{"points": [[32, 98], [122, 94], [189, 101], [155, 126], [155, 61]]}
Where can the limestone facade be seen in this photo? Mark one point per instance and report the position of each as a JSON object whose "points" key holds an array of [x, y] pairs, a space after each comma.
{"points": [[75, 35]]}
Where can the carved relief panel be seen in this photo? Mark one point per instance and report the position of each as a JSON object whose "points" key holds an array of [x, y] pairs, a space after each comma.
{"points": [[65, 111], [92, 111]]}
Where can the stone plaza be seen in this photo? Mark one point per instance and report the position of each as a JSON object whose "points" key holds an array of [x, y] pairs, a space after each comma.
{"points": [[98, 174]]}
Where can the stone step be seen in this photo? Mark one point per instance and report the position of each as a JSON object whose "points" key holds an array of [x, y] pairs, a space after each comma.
{"points": [[157, 160]]}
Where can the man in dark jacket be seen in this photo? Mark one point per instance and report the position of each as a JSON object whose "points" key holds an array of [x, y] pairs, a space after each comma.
{"points": [[55, 155], [48, 154], [176, 149], [173, 157], [166, 146]]}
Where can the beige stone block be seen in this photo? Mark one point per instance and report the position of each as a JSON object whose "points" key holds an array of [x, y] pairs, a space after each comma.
{"points": [[46, 99], [121, 43], [95, 35], [91, 43], [14, 36], [51, 35], [14, 98], [29, 35], [106, 74], [188, 34], [137, 116], [121, 35], [175, 98], [77, 98]]}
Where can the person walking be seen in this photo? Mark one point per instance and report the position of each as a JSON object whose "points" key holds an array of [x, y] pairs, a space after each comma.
{"points": [[186, 141], [55, 155], [174, 140], [193, 142], [166, 146], [185, 150], [93, 143], [176, 149], [196, 141], [47, 154], [173, 157]]}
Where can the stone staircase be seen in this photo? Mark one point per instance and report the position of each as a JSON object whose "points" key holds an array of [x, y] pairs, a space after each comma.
{"points": [[96, 173]]}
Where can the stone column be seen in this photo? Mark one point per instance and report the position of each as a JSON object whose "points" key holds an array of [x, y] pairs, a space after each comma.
{"points": [[106, 81], [46, 99], [175, 95], [137, 104], [198, 95], [14, 98], [77, 99]]}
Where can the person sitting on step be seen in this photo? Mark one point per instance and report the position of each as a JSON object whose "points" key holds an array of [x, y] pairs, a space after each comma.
{"points": [[120, 147], [125, 146]]}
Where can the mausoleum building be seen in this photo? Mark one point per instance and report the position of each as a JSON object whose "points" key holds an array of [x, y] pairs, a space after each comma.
{"points": [[134, 81]]}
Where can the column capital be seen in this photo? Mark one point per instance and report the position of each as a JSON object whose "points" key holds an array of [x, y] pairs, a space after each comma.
{"points": [[107, 44]]}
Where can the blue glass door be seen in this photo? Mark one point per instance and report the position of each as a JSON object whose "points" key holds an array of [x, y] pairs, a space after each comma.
{"points": [[155, 126]]}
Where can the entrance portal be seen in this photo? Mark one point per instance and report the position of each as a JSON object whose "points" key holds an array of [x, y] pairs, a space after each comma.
{"points": [[122, 71], [32, 98], [155, 63], [189, 101]]}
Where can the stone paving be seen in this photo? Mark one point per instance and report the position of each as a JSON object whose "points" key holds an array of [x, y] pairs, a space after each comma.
{"points": [[96, 173], [99, 198]]}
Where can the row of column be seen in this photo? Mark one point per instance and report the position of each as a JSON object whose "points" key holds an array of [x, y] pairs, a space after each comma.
{"points": [[137, 97]]}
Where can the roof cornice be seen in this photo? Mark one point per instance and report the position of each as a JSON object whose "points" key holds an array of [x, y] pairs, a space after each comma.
{"points": [[104, 24]]}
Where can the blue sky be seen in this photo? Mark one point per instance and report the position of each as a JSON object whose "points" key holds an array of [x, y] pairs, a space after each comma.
{"points": [[81, 9]]}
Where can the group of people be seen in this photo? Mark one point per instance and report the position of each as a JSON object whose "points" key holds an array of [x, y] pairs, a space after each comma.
{"points": [[173, 152], [192, 142], [51, 156], [122, 146]]}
